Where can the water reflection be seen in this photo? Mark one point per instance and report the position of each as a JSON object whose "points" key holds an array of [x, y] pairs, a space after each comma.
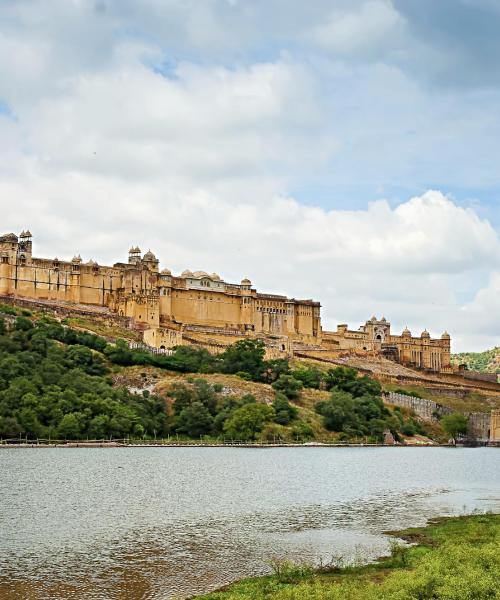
{"points": [[162, 523]]}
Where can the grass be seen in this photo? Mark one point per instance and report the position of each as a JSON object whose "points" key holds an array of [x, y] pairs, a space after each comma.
{"points": [[450, 559]]}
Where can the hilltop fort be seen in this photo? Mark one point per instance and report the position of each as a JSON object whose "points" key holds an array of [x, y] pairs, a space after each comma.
{"points": [[174, 309]]}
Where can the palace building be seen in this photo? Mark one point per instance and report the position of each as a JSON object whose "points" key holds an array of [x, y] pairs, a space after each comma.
{"points": [[153, 298], [422, 352], [165, 306]]}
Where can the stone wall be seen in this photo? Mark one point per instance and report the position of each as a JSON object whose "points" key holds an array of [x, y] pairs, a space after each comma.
{"points": [[426, 409], [479, 425]]}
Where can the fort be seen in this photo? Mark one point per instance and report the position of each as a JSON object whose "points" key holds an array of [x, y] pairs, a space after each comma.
{"points": [[174, 309]]}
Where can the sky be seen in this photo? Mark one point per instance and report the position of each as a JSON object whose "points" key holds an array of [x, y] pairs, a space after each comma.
{"points": [[344, 150]]}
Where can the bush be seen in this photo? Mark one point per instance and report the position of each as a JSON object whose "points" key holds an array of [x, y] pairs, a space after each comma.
{"points": [[454, 425], [310, 377], [409, 429], [245, 356], [288, 386], [302, 431], [247, 422], [285, 412]]}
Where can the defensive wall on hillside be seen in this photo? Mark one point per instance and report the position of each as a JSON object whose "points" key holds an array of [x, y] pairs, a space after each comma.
{"points": [[481, 427]]}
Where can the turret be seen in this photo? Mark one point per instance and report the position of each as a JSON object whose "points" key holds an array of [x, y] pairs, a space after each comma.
{"points": [[151, 261], [134, 255]]}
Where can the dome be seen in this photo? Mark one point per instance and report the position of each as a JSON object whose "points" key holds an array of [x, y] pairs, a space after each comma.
{"points": [[27, 233], [446, 336], [373, 319], [215, 277], [383, 320], [425, 334], [149, 256], [132, 250], [91, 263], [200, 274], [166, 272], [76, 259], [137, 250], [9, 237], [187, 273], [246, 281], [22, 234], [407, 332]]}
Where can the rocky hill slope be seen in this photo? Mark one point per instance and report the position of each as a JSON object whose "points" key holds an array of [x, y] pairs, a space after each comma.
{"points": [[484, 362]]}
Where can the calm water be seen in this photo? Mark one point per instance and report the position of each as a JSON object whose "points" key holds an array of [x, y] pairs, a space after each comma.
{"points": [[158, 523]]}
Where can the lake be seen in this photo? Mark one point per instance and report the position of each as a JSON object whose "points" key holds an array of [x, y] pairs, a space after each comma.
{"points": [[157, 523]]}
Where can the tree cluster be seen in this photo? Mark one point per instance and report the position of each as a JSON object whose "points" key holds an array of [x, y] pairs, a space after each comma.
{"points": [[356, 409], [50, 389], [199, 409]]}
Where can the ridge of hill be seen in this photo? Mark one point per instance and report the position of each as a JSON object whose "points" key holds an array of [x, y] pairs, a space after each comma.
{"points": [[483, 362]]}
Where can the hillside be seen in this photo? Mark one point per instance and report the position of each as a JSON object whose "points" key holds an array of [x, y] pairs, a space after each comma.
{"points": [[484, 362], [58, 382]]}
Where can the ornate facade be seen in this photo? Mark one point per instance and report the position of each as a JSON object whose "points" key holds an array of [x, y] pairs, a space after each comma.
{"points": [[375, 335], [156, 299]]}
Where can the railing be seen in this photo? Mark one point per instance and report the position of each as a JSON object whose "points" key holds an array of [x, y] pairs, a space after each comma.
{"points": [[150, 349], [179, 442]]}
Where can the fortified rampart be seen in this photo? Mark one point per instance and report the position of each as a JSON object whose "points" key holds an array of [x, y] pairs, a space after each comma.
{"points": [[481, 427]]}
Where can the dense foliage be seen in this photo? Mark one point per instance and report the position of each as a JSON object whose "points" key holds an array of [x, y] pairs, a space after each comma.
{"points": [[199, 409], [356, 409], [60, 390], [53, 383]]}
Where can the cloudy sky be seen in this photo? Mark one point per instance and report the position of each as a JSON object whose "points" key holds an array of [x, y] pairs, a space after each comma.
{"points": [[346, 150]]}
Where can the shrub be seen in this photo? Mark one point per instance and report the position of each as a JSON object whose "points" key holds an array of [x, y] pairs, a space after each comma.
{"points": [[248, 421], [285, 412], [288, 386], [287, 571]]}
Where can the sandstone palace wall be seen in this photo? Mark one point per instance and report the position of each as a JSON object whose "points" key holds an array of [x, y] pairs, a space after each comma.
{"points": [[164, 305], [138, 290]]}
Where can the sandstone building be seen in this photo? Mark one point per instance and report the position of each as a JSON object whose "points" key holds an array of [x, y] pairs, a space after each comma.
{"points": [[165, 306], [137, 289], [375, 335]]}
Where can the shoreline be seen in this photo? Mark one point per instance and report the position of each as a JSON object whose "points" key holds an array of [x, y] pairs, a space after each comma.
{"points": [[85, 444], [412, 550]]}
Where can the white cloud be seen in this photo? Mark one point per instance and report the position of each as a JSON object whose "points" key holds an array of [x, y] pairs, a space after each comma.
{"points": [[363, 28], [201, 123], [400, 262], [117, 137]]}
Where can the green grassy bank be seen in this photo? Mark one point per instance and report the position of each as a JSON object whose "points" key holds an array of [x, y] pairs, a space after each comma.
{"points": [[452, 559]]}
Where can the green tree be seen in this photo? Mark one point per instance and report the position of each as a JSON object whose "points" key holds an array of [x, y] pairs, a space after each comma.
{"points": [[337, 412], [195, 420], [272, 369], [247, 422], [346, 379], [311, 377], [70, 426], [289, 386], [302, 431], [285, 412], [454, 425], [23, 324], [245, 356]]}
